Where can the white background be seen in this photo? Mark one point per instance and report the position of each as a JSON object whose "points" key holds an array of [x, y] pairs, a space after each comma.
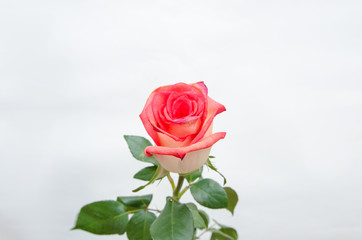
{"points": [[76, 74]]}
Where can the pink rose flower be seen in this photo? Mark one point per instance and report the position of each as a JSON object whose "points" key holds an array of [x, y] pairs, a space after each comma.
{"points": [[179, 119]]}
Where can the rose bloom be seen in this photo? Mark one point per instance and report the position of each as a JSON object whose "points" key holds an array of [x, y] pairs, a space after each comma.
{"points": [[179, 119]]}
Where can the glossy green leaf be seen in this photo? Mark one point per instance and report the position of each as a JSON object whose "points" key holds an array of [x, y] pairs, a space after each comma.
{"points": [[146, 173], [209, 193], [218, 235], [210, 165], [138, 227], [195, 175], [175, 222], [232, 199], [135, 202], [226, 233], [199, 222], [230, 231], [137, 145], [103, 217]]}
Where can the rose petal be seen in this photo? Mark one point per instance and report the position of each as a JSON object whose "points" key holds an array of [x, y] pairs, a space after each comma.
{"points": [[160, 121], [191, 162], [184, 159], [201, 87], [182, 151], [188, 128], [158, 105], [158, 124], [147, 121], [181, 107], [150, 118], [214, 108]]}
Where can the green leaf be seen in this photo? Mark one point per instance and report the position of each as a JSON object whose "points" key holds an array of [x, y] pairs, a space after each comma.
{"points": [[103, 217], [232, 199], [195, 175], [210, 165], [175, 222], [137, 145], [146, 173], [230, 231], [139, 225], [160, 172], [204, 216], [209, 193], [225, 233], [135, 202], [198, 220]]}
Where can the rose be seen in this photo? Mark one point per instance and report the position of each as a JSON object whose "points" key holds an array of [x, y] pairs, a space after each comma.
{"points": [[179, 119]]}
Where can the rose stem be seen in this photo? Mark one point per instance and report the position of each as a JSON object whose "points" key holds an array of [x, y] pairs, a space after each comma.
{"points": [[184, 190], [178, 187], [171, 181]]}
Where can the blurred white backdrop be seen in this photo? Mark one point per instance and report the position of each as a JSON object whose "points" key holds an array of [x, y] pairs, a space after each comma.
{"points": [[74, 75]]}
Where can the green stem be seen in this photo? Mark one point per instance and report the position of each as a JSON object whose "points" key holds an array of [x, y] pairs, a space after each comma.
{"points": [[155, 210], [184, 190], [133, 211], [171, 181], [178, 187]]}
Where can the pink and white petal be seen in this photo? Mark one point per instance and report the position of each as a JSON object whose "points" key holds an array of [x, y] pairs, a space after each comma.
{"points": [[184, 159], [191, 162]]}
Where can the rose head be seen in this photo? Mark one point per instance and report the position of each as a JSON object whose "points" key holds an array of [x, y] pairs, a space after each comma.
{"points": [[179, 120]]}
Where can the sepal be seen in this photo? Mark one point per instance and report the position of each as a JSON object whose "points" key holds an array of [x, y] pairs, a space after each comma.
{"points": [[137, 145], [159, 173], [212, 167]]}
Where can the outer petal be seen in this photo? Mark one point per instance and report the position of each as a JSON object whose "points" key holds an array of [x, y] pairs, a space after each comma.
{"points": [[214, 108], [201, 87], [146, 121], [191, 162], [185, 159]]}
